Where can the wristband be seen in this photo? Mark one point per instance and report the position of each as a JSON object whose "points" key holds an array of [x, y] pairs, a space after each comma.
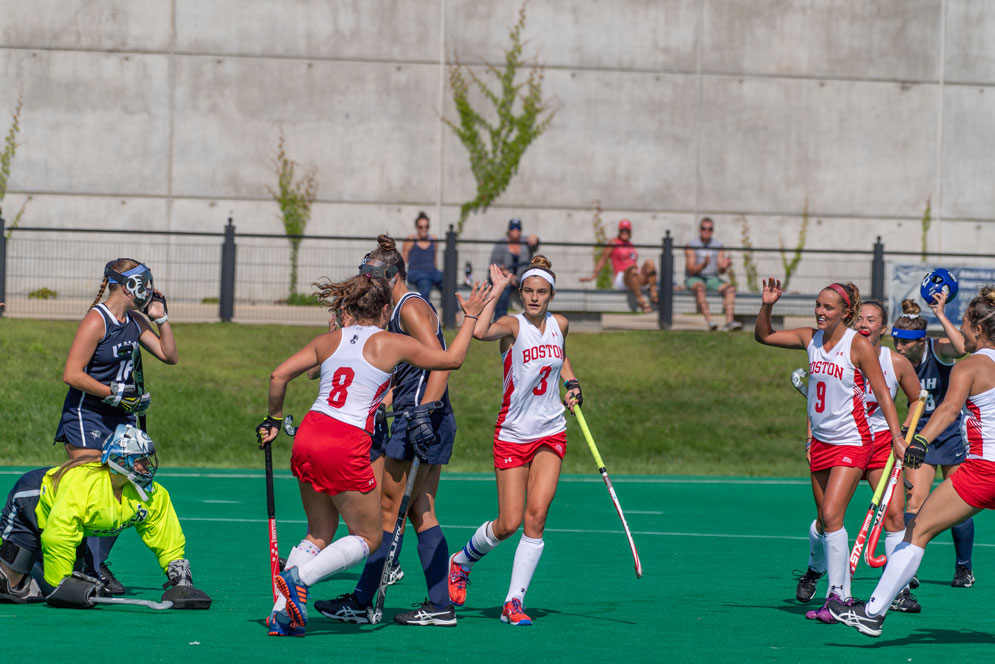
{"points": [[469, 316], [160, 321]]}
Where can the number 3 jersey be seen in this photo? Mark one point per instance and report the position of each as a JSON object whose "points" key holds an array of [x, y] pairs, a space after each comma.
{"points": [[836, 389], [351, 388], [530, 407]]}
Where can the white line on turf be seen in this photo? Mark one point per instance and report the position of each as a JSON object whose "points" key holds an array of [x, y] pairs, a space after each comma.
{"points": [[222, 502]]}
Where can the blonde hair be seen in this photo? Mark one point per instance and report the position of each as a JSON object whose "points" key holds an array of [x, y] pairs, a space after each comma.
{"points": [[853, 293], [121, 265], [69, 465]]}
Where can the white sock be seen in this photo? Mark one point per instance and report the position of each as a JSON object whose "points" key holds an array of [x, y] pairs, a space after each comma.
{"points": [[301, 554], [480, 544], [838, 563], [341, 554], [816, 549], [527, 557], [891, 540], [901, 567]]}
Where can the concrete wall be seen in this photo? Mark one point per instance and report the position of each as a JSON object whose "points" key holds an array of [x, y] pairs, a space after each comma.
{"points": [[165, 114]]}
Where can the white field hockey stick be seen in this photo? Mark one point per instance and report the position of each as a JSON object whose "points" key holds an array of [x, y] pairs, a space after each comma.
{"points": [[798, 377], [891, 470], [872, 540], [158, 606], [611, 490]]}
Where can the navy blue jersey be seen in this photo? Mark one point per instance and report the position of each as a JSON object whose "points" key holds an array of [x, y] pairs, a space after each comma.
{"points": [[111, 363], [409, 381], [934, 377]]}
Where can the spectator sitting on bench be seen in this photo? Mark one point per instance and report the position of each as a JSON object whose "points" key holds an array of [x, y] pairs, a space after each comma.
{"points": [[705, 261], [626, 273], [418, 252]]}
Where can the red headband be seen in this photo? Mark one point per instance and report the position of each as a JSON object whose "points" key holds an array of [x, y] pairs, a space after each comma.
{"points": [[842, 291]]}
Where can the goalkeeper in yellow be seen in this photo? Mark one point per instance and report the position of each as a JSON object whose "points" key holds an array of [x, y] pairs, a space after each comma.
{"points": [[50, 510]]}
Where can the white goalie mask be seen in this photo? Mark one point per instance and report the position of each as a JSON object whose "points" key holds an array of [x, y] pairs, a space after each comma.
{"points": [[130, 452]]}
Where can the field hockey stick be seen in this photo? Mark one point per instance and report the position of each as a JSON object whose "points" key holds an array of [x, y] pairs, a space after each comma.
{"points": [[872, 540], [611, 490], [291, 430], [138, 375], [798, 377], [274, 549], [158, 606], [374, 613]]}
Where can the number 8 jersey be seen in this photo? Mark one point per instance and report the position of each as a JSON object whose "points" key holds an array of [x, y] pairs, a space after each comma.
{"points": [[530, 407], [836, 388], [351, 388]]}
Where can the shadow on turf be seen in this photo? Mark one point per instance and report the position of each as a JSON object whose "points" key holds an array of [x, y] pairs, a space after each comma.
{"points": [[927, 636]]}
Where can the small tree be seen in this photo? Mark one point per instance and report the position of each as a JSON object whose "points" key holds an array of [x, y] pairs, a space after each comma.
{"points": [[294, 196], [749, 265], [6, 157], [496, 147], [927, 221], [604, 278], [791, 265]]}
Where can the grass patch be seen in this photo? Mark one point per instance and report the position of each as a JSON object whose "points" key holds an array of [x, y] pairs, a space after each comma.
{"points": [[657, 402]]}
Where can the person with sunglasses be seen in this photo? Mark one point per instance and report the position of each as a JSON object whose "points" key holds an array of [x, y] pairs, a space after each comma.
{"points": [[705, 263]]}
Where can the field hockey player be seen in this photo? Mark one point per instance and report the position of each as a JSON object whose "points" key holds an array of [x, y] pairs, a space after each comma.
{"points": [[414, 316], [530, 435], [841, 364], [50, 510], [963, 493], [99, 372], [331, 451]]}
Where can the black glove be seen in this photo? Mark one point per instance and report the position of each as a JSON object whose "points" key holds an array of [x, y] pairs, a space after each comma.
{"points": [[75, 592], [915, 453], [156, 297], [421, 435], [574, 385], [380, 431], [263, 427]]}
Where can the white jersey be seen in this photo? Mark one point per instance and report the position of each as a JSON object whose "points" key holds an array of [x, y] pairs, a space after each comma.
{"points": [[875, 418], [531, 408], [351, 388], [978, 424], [836, 388]]}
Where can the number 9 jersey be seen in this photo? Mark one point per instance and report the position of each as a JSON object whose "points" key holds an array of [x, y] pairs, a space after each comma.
{"points": [[531, 407], [836, 390]]}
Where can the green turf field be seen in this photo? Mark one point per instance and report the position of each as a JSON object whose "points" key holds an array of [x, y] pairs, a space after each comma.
{"points": [[717, 554]]}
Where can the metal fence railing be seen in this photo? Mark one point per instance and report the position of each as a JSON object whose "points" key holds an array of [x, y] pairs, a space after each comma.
{"points": [[228, 276]]}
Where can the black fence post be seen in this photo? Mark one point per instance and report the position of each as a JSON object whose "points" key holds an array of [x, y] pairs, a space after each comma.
{"points": [[450, 263], [3, 261], [666, 286], [877, 271], [227, 295]]}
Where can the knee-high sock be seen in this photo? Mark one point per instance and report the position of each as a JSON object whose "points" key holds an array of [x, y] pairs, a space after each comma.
{"points": [[369, 580], [901, 567], [891, 541], [908, 516], [963, 534], [838, 563], [480, 544], [433, 550], [300, 555], [95, 551], [527, 557], [816, 549], [341, 554]]}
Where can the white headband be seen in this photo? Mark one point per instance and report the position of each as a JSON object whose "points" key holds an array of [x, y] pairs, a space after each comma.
{"points": [[909, 316], [536, 272]]}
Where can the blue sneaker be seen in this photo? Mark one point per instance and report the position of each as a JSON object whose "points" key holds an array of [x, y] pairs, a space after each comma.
{"points": [[280, 624], [289, 583]]}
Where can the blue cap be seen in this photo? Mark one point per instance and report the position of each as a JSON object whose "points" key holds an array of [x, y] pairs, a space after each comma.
{"points": [[515, 223]]}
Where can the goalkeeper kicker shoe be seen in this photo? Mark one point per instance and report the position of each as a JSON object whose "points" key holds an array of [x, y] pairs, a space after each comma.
{"points": [[514, 613], [280, 624], [459, 579], [963, 577], [426, 614], [289, 583], [854, 614], [806, 584], [905, 602], [344, 608]]}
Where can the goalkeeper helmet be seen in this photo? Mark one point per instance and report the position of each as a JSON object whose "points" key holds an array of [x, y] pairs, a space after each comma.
{"points": [[936, 281], [130, 452]]}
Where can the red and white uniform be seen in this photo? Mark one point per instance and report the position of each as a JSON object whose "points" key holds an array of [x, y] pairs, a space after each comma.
{"points": [[332, 448], [974, 480], [836, 408], [875, 418], [531, 408]]}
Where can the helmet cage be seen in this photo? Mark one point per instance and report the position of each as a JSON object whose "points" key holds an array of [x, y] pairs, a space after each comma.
{"points": [[130, 452]]}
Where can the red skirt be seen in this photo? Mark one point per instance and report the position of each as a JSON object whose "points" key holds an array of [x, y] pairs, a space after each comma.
{"points": [[880, 450], [513, 455], [332, 456], [826, 456], [974, 482]]}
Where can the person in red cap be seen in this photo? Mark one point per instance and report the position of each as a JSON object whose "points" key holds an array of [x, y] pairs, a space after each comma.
{"points": [[705, 262], [626, 273]]}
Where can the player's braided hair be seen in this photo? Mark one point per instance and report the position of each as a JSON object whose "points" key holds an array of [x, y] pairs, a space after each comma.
{"points": [[361, 297], [910, 318], [387, 252], [850, 308], [981, 312], [120, 266]]}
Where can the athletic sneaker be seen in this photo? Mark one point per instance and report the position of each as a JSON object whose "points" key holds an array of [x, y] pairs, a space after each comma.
{"points": [[396, 574], [914, 582], [806, 584], [426, 614], [854, 614], [514, 613], [289, 583], [459, 579], [963, 577], [280, 624], [25, 591], [111, 585], [712, 326], [344, 608], [822, 613], [905, 602], [732, 326]]}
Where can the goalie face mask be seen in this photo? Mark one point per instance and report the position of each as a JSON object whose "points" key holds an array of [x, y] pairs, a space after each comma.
{"points": [[137, 281], [130, 452]]}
